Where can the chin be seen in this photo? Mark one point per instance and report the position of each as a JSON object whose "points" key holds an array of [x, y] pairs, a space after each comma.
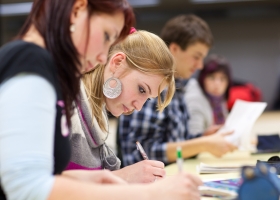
{"points": [[116, 114]]}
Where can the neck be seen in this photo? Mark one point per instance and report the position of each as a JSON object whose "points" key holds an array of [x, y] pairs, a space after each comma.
{"points": [[34, 36]]}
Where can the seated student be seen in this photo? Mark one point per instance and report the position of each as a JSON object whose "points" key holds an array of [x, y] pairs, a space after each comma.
{"points": [[189, 39], [39, 80], [138, 68], [207, 97]]}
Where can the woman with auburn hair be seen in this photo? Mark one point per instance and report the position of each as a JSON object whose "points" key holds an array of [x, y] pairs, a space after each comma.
{"points": [[39, 80], [141, 66]]}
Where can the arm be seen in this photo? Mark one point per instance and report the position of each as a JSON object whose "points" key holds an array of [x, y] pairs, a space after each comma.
{"points": [[180, 187], [27, 107], [214, 144], [26, 143], [199, 109]]}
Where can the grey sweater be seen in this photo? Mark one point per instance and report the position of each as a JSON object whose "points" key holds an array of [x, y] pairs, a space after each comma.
{"points": [[89, 150]]}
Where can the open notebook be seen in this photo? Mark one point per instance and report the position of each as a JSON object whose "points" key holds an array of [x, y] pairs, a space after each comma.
{"points": [[203, 168]]}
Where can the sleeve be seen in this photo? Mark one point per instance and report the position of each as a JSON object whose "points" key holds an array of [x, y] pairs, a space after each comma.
{"points": [[196, 107], [147, 126], [27, 123], [196, 121]]}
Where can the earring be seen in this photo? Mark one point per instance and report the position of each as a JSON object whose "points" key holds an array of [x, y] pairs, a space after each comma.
{"points": [[72, 28], [110, 92]]}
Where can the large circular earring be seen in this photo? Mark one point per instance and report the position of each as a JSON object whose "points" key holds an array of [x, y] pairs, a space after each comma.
{"points": [[110, 92], [72, 28]]}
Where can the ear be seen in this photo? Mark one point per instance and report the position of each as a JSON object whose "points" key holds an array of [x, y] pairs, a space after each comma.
{"points": [[116, 61], [79, 5], [174, 48]]}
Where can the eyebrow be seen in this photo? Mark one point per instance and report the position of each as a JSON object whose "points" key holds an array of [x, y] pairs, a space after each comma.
{"points": [[149, 89]]}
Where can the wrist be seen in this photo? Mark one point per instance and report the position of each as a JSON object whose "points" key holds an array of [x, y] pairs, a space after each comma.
{"points": [[119, 174]]}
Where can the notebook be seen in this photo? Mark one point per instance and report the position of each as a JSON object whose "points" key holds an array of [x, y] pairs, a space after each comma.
{"points": [[203, 168], [224, 189]]}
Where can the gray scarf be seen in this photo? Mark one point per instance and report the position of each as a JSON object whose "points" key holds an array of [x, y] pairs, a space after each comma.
{"points": [[89, 150]]}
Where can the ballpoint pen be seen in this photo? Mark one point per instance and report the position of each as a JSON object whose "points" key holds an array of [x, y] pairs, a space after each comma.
{"points": [[143, 153], [179, 160]]}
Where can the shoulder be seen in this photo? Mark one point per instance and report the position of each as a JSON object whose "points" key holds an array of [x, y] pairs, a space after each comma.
{"points": [[20, 56], [193, 88], [195, 96], [20, 49]]}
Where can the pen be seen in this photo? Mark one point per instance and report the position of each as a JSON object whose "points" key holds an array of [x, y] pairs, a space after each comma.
{"points": [[179, 160], [143, 153]]}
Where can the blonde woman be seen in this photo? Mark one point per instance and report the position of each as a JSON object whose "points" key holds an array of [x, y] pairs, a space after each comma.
{"points": [[137, 69]]}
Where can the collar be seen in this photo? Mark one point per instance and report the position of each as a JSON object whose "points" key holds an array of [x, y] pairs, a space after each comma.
{"points": [[181, 83]]}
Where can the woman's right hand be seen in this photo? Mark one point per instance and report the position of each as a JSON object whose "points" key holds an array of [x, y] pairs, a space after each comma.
{"points": [[217, 144], [181, 186]]}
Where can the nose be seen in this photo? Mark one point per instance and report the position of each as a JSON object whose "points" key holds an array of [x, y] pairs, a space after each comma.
{"points": [[138, 104], [102, 58]]}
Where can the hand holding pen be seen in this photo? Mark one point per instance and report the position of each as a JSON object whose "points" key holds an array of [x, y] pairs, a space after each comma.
{"points": [[145, 157]]}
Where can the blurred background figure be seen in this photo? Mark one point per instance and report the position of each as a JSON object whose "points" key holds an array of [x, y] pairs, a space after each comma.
{"points": [[207, 97]]}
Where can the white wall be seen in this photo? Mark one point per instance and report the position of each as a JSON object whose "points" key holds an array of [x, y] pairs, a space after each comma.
{"points": [[251, 44]]}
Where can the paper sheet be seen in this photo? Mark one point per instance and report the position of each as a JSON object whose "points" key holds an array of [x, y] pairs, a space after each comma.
{"points": [[241, 120]]}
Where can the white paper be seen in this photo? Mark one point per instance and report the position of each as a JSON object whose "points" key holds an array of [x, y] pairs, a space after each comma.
{"points": [[241, 120]]}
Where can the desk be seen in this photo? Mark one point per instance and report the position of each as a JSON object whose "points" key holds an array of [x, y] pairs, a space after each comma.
{"points": [[242, 158], [267, 123]]}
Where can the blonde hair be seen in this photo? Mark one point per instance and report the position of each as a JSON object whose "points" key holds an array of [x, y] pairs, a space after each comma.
{"points": [[145, 52]]}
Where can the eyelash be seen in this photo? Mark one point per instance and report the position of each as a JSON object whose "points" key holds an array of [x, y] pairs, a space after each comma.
{"points": [[107, 37], [142, 90]]}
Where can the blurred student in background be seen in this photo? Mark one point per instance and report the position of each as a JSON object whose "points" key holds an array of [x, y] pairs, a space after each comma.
{"points": [[189, 39], [207, 97], [39, 81]]}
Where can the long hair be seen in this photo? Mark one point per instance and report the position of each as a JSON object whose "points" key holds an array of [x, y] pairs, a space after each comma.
{"points": [[213, 64], [52, 19], [145, 52]]}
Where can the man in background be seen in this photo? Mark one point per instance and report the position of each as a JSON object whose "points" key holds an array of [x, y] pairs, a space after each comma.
{"points": [[189, 39]]}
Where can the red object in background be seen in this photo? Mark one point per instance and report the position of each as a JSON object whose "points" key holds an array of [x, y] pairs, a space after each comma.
{"points": [[243, 91]]}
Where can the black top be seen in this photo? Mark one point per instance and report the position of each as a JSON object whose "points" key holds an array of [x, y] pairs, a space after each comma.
{"points": [[19, 56]]}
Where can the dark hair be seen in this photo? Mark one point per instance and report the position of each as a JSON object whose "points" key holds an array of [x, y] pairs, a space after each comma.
{"points": [[52, 19], [185, 30], [213, 64]]}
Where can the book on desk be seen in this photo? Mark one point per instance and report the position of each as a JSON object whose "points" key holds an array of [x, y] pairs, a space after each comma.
{"points": [[203, 168], [225, 189]]}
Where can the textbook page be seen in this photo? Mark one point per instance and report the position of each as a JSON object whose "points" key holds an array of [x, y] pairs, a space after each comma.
{"points": [[241, 120], [203, 168]]}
